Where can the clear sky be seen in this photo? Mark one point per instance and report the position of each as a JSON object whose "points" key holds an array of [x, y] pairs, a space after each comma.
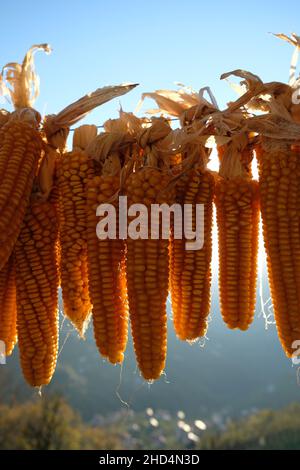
{"points": [[154, 43]]}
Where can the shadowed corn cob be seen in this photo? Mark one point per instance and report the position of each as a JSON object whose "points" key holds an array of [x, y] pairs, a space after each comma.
{"points": [[37, 286], [147, 269], [279, 172], [107, 282], [4, 115], [8, 306], [54, 200], [73, 171], [238, 223], [190, 273], [20, 147], [20, 151]]}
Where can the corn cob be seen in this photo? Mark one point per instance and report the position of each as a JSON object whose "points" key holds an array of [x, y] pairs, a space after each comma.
{"points": [[73, 171], [237, 206], [238, 222], [106, 257], [20, 151], [37, 286], [190, 273], [147, 269], [147, 260], [8, 307], [279, 170], [107, 282], [20, 147]]}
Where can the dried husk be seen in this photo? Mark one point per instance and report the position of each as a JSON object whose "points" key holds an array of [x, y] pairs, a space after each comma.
{"points": [[44, 180], [54, 124], [232, 163], [294, 40], [20, 81], [184, 103], [107, 143], [171, 102], [83, 135], [115, 150]]}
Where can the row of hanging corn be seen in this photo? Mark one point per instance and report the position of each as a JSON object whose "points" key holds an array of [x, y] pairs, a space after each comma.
{"points": [[49, 197]]}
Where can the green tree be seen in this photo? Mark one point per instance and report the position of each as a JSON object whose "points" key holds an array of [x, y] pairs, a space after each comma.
{"points": [[50, 424], [267, 429]]}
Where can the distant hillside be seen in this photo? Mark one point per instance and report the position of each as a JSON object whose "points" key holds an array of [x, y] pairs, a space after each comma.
{"points": [[265, 430], [234, 373]]}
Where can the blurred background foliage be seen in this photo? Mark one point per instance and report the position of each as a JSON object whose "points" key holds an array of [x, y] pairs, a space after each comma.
{"points": [[51, 424]]}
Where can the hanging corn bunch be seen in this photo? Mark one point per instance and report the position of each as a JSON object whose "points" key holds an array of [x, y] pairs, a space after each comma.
{"points": [[51, 228], [72, 170], [279, 173], [237, 206]]}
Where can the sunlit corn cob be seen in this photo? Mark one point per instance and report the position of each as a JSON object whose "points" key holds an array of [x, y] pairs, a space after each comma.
{"points": [[8, 306], [237, 206], [20, 151], [73, 171], [107, 282], [147, 269], [279, 172], [37, 286], [190, 270]]}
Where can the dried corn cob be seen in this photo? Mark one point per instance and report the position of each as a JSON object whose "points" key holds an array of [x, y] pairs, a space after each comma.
{"points": [[20, 151], [106, 258], [238, 222], [147, 267], [279, 171], [20, 148], [237, 206], [8, 306], [190, 273], [147, 260], [73, 171], [107, 283], [37, 286]]}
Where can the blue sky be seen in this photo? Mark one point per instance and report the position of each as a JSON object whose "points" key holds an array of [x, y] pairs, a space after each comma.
{"points": [[155, 43]]}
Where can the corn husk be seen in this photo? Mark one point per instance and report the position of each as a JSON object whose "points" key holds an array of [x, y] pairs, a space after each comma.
{"points": [[20, 81], [44, 180], [83, 135], [294, 40], [183, 103], [55, 124]]}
